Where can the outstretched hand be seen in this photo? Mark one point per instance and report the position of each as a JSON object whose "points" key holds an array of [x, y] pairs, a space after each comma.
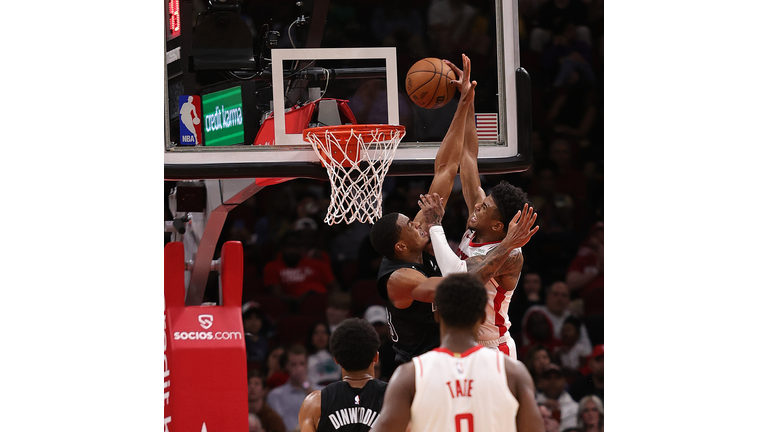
{"points": [[519, 231], [464, 83], [432, 209]]}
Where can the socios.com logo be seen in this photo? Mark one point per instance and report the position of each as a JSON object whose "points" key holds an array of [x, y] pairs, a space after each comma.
{"points": [[202, 336], [206, 321]]}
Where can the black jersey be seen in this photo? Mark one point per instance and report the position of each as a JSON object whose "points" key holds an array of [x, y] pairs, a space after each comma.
{"points": [[413, 329], [344, 408]]}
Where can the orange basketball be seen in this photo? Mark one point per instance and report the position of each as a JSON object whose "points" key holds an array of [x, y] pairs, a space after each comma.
{"points": [[428, 83]]}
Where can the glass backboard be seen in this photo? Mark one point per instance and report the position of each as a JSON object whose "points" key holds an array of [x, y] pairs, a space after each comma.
{"points": [[244, 78]]}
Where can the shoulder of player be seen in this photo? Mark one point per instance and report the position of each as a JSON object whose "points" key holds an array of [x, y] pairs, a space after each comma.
{"points": [[403, 378], [313, 398], [518, 376], [311, 410]]}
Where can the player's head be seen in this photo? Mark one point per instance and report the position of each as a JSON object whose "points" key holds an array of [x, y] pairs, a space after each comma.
{"points": [[395, 234], [498, 208], [460, 301], [354, 344]]}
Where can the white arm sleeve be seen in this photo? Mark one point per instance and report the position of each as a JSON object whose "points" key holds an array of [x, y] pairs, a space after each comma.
{"points": [[447, 260]]}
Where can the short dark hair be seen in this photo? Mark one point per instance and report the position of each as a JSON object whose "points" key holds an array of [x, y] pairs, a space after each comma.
{"points": [[258, 373], [509, 200], [354, 344], [385, 233], [293, 349], [460, 300], [573, 320]]}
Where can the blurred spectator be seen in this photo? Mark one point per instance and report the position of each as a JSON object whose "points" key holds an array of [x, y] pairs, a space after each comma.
{"points": [[450, 25], [567, 60], [591, 380], [279, 216], [537, 359], [585, 280], [524, 299], [254, 424], [551, 13], [556, 310], [569, 179], [338, 308], [293, 274], [286, 400], [556, 219], [377, 316], [550, 424], [553, 395], [590, 414], [276, 374], [586, 270], [345, 245], [573, 112], [306, 230], [321, 368], [571, 356], [537, 330], [269, 420], [256, 333]]}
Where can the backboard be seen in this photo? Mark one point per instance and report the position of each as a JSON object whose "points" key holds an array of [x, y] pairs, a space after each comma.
{"points": [[254, 73]]}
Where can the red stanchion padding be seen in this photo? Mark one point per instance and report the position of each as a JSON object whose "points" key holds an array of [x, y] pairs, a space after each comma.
{"points": [[174, 274], [232, 273], [205, 363]]}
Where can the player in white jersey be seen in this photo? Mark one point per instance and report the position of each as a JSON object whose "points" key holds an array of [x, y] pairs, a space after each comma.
{"points": [[487, 224], [461, 385], [494, 332]]}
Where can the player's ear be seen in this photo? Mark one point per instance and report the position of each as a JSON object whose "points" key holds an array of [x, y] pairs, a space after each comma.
{"points": [[400, 247], [498, 226], [376, 357], [335, 361]]}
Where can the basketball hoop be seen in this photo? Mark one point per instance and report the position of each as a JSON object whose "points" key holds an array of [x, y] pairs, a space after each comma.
{"points": [[357, 158]]}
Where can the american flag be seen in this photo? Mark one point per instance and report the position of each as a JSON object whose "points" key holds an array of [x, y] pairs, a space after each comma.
{"points": [[487, 127]]}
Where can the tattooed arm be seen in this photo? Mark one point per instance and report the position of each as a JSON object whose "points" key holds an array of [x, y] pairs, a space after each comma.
{"points": [[484, 267]]}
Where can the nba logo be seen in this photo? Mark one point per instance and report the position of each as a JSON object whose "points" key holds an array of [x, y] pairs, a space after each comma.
{"points": [[190, 127]]}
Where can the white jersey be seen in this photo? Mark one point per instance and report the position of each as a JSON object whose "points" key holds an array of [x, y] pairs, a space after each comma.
{"points": [[494, 331], [464, 392]]}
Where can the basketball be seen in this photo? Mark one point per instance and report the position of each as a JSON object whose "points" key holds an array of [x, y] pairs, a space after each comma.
{"points": [[428, 83], [196, 121]]}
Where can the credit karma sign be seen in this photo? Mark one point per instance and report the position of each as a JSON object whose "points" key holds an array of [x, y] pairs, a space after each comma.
{"points": [[223, 117]]}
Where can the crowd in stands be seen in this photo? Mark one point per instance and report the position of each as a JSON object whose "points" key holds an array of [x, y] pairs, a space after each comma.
{"points": [[303, 277]]}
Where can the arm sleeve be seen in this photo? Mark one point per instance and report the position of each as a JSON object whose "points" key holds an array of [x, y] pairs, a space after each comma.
{"points": [[447, 260]]}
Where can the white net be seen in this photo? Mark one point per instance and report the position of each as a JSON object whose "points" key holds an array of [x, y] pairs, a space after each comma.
{"points": [[355, 181]]}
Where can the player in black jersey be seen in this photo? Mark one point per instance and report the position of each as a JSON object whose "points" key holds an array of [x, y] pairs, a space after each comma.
{"points": [[354, 403]]}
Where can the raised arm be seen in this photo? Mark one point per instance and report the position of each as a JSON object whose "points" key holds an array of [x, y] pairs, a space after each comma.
{"points": [[449, 155], [468, 172]]}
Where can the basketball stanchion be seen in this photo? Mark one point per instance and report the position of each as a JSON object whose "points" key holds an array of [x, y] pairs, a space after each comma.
{"points": [[357, 158], [205, 376]]}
